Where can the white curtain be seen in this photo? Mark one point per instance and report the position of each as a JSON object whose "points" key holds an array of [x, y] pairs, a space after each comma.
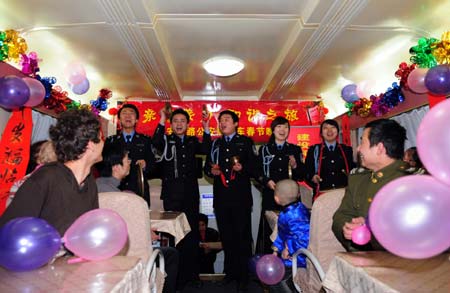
{"points": [[411, 121], [41, 125]]}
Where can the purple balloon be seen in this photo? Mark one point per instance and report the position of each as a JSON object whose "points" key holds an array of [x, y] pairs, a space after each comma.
{"points": [[270, 269], [14, 92], [349, 94], [437, 80], [96, 235], [361, 235], [27, 244], [409, 216], [80, 88], [433, 141], [252, 263]]}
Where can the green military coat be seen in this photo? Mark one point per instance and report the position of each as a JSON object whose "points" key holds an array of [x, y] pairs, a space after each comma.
{"points": [[361, 189]]}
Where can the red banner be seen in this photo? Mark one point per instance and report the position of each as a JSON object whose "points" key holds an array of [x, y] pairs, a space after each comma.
{"points": [[14, 152], [346, 139], [254, 117], [304, 136]]}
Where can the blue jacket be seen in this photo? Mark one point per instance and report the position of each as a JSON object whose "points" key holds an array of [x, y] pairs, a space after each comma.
{"points": [[293, 230]]}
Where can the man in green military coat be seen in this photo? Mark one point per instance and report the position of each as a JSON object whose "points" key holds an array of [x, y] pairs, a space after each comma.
{"points": [[381, 152]]}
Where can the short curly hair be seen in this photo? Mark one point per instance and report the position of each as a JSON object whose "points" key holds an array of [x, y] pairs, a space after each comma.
{"points": [[73, 131]]}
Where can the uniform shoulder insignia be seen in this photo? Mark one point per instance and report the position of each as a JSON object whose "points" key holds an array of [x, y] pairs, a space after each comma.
{"points": [[414, 171], [360, 170], [404, 167]]}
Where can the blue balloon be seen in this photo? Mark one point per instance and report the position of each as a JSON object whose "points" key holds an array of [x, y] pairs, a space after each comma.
{"points": [[81, 88], [27, 243], [252, 263], [349, 94]]}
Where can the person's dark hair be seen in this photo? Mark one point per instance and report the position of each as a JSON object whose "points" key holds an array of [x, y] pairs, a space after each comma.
{"points": [[34, 152], [112, 156], [330, 122], [130, 106], [233, 115], [279, 120], [72, 132], [415, 156], [203, 218], [391, 134], [180, 111]]}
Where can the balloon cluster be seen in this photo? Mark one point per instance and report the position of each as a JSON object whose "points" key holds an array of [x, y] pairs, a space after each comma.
{"points": [[429, 73], [376, 105], [101, 103], [16, 92], [34, 90], [76, 77], [409, 216], [29, 243]]}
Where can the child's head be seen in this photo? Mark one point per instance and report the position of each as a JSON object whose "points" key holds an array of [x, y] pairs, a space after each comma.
{"points": [[203, 222], [41, 152], [286, 192]]}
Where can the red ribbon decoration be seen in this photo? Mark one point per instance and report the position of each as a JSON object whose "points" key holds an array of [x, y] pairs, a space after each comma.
{"points": [[346, 130], [224, 181], [434, 100], [14, 151]]}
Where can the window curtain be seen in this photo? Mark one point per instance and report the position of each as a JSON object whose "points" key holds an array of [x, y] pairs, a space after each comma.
{"points": [[41, 125], [410, 120]]}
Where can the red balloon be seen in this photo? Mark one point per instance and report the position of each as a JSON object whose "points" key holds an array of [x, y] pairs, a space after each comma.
{"points": [[37, 91]]}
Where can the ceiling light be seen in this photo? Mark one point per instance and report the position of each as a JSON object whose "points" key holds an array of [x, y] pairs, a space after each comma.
{"points": [[223, 65]]}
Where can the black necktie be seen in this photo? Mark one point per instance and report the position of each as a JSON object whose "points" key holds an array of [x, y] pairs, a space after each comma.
{"points": [[227, 138], [330, 148], [128, 138], [280, 147]]}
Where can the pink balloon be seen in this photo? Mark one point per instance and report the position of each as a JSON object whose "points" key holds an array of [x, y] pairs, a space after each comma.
{"points": [[361, 235], [363, 89], [74, 73], [96, 235], [37, 91], [409, 216], [270, 269], [433, 141], [416, 80]]}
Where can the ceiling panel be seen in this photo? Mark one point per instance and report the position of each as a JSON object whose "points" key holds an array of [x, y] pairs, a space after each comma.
{"points": [[293, 49]]}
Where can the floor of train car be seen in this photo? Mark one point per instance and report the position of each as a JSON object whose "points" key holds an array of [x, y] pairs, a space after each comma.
{"points": [[211, 283]]}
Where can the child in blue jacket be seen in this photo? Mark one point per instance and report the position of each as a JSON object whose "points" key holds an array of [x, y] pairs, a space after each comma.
{"points": [[293, 230]]}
